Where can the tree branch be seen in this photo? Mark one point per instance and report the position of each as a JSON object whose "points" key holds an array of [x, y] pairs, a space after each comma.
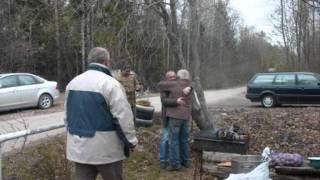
{"points": [[312, 5]]}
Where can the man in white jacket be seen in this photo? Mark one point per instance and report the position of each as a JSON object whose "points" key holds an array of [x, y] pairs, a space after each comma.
{"points": [[99, 121]]}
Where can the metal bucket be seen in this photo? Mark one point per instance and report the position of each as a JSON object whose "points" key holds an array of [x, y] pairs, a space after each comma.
{"points": [[245, 163]]}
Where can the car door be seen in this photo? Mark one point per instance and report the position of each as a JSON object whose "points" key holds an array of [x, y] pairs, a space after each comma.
{"points": [[8, 93], [309, 85], [285, 88], [28, 90]]}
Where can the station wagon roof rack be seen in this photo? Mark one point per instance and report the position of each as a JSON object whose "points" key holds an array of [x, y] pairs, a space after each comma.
{"points": [[287, 72]]}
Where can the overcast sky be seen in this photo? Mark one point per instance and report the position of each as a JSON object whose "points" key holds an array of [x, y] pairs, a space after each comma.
{"points": [[257, 13]]}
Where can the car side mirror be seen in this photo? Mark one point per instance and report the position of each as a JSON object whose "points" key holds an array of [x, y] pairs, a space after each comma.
{"points": [[318, 83]]}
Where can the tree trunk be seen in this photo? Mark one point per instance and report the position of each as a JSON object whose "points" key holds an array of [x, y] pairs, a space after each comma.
{"points": [[200, 111], [56, 15], [298, 33], [30, 42], [313, 33], [174, 35], [172, 30], [283, 32], [89, 26], [83, 39]]}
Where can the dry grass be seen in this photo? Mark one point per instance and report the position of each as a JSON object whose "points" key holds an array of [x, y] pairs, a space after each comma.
{"points": [[47, 161]]}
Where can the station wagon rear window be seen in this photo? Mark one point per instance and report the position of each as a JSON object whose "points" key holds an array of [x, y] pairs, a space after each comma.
{"points": [[265, 79], [307, 79]]}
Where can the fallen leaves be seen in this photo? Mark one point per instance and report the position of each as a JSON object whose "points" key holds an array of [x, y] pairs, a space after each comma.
{"points": [[287, 129]]}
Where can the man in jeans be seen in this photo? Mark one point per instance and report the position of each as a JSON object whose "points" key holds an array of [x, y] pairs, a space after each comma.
{"points": [[178, 119], [166, 102]]}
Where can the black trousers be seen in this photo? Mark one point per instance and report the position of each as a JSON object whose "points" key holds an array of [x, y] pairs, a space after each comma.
{"points": [[112, 171]]}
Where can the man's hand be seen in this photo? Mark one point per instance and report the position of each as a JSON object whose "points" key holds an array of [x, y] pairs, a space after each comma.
{"points": [[132, 149], [186, 91], [181, 101]]}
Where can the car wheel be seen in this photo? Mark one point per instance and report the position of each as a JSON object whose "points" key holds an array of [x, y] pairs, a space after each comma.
{"points": [[268, 101], [45, 101]]}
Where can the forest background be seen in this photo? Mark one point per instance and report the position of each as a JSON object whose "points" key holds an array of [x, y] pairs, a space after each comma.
{"points": [[52, 38]]}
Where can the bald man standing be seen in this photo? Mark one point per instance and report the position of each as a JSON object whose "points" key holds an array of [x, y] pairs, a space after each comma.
{"points": [[164, 138]]}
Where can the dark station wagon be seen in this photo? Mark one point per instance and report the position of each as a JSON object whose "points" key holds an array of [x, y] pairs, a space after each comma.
{"points": [[278, 88]]}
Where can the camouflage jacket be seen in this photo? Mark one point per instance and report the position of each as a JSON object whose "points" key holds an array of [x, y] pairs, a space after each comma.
{"points": [[129, 84]]}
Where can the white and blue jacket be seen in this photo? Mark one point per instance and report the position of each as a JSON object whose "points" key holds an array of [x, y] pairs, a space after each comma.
{"points": [[99, 119]]}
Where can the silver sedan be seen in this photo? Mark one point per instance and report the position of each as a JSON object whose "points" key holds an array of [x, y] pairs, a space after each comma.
{"points": [[20, 90]]}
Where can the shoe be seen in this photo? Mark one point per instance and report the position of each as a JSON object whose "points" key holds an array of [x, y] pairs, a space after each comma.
{"points": [[186, 164], [174, 168], [163, 165]]}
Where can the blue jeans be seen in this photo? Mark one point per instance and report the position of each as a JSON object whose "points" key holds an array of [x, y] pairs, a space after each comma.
{"points": [[164, 143], [178, 142]]}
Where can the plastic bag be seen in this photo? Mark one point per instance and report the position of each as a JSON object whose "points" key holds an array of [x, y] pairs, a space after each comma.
{"points": [[261, 172], [286, 159], [266, 153]]}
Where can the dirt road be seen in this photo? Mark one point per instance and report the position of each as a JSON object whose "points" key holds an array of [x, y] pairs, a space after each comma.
{"points": [[33, 118], [224, 97]]}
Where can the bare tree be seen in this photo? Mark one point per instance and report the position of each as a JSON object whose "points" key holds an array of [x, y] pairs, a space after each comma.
{"points": [[83, 16], [170, 22], [57, 37], [200, 111], [283, 29]]}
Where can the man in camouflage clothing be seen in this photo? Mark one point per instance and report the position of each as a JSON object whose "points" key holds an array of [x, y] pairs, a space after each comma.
{"points": [[128, 80]]}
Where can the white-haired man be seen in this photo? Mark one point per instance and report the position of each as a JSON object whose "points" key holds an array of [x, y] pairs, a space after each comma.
{"points": [[99, 121]]}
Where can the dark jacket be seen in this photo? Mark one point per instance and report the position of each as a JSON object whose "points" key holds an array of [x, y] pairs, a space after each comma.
{"points": [[166, 102], [174, 90]]}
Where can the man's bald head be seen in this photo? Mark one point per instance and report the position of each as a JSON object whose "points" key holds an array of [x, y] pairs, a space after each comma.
{"points": [[171, 75]]}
